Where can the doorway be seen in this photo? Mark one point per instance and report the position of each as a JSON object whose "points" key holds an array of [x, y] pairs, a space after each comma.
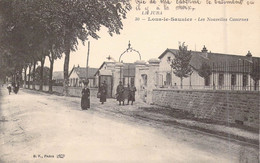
{"points": [[109, 82]]}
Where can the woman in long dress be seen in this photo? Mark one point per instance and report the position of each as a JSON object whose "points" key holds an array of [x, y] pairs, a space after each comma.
{"points": [[103, 93], [85, 99]]}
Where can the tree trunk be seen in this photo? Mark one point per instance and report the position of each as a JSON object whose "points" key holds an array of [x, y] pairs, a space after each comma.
{"points": [[14, 77], [29, 76], [51, 58], [66, 66], [25, 76], [33, 75], [181, 82], [41, 73], [20, 76]]}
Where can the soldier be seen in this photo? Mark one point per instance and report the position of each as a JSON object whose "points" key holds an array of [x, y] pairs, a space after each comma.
{"points": [[120, 93], [131, 94]]}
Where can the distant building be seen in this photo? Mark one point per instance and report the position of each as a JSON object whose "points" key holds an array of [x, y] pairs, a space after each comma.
{"points": [[57, 78], [228, 71], [78, 75]]}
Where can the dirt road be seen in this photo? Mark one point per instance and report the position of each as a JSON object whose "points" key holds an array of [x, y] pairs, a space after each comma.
{"points": [[38, 127]]}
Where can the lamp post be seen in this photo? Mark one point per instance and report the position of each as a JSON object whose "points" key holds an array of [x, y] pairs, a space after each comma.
{"points": [[169, 61], [87, 62]]}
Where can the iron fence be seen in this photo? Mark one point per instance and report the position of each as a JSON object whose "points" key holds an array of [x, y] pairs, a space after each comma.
{"points": [[242, 75]]}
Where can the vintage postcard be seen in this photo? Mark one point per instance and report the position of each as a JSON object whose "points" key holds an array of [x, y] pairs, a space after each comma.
{"points": [[131, 81]]}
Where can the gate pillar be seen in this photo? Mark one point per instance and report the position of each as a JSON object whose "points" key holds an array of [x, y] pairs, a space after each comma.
{"points": [[152, 78]]}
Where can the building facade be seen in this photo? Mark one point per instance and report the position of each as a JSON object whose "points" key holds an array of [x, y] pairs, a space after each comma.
{"points": [[57, 78], [79, 74], [113, 73], [228, 72]]}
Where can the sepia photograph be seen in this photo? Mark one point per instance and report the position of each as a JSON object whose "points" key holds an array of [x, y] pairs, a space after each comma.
{"points": [[129, 81]]}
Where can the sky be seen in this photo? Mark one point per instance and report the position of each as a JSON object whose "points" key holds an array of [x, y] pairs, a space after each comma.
{"points": [[152, 38]]}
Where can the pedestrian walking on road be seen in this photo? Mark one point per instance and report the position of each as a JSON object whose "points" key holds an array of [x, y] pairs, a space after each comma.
{"points": [[9, 87], [16, 88], [103, 92], [85, 99], [131, 94], [120, 93]]}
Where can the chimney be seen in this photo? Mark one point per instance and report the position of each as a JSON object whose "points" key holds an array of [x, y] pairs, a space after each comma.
{"points": [[249, 54], [204, 52]]}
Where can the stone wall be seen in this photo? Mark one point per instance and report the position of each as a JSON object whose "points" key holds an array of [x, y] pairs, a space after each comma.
{"points": [[76, 91], [240, 107], [73, 91]]}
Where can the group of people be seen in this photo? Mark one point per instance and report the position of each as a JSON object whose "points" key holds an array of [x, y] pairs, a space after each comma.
{"points": [[15, 87], [121, 94]]}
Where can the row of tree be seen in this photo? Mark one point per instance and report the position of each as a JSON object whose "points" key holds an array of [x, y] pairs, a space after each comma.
{"points": [[32, 31]]}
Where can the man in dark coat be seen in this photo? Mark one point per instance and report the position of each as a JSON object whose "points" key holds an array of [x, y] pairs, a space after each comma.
{"points": [[120, 93], [103, 92], [16, 88], [85, 99], [9, 87], [131, 93]]}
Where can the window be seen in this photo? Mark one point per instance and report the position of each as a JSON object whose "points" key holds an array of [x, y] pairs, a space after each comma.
{"points": [[221, 79], [144, 79], [256, 85], [207, 81], [168, 59], [245, 80], [94, 82], [233, 79], [76, 84], [168, 79], [132, 81]]}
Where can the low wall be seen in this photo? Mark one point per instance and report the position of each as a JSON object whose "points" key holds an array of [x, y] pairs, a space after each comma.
{"points": [[76, 91], [225, 106], [58, 89], [73, 91]]}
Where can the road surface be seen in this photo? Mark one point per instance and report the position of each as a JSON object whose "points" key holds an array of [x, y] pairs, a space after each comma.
{"points": [[39, 127]]}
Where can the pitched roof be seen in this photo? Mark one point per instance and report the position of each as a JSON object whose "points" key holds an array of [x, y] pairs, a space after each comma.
{"points": [[128, 69], [219, 62], [82, 71], [57, 75], [104, 63]]}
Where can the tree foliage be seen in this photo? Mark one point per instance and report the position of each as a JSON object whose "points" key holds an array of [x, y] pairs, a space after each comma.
{"points": [[205, 70], [181, 63], [81, 19], [31, 30]]}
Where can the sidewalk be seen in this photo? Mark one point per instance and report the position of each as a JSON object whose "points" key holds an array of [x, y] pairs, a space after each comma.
{"points": [[174, 118]]}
